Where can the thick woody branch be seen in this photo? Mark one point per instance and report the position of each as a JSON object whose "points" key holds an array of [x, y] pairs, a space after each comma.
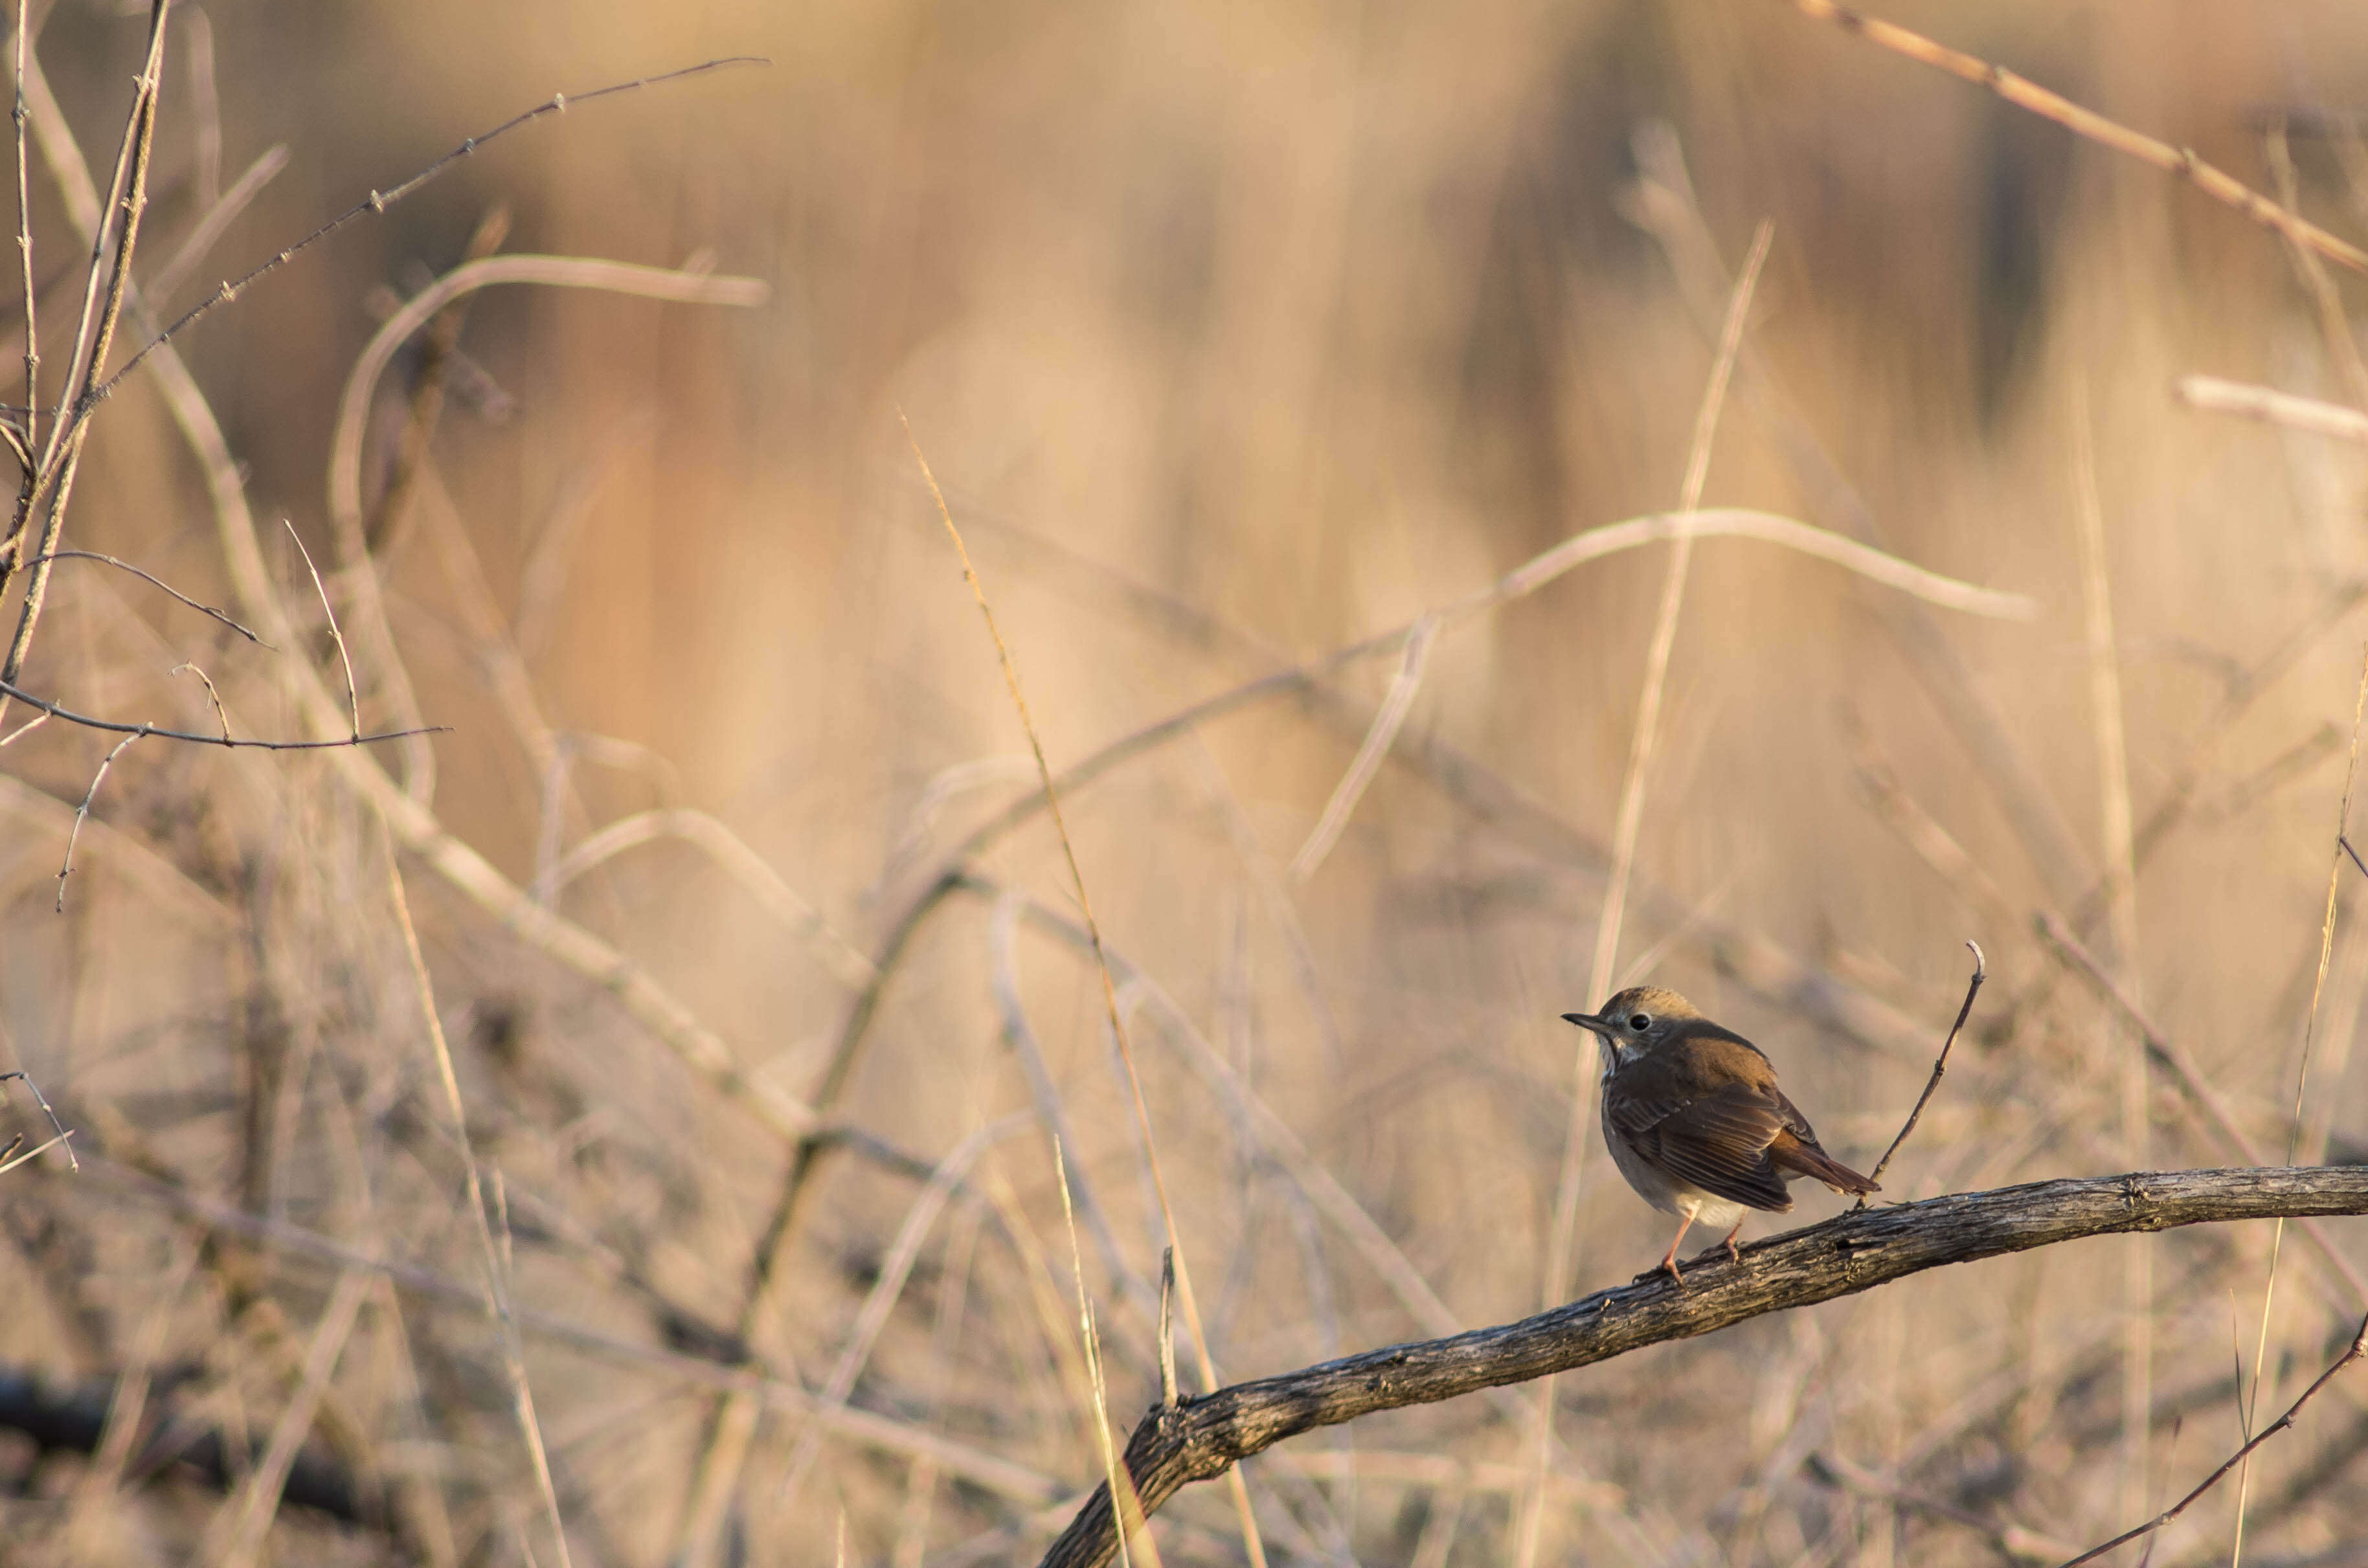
{"points": [[1204, 1437]]}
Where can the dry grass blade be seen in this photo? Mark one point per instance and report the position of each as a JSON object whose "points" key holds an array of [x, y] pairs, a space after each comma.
{"points": [[1110, 992], [239, 1527], [497, 1282], [894, 1270], [2120, 890], [1115, 1478], [1368, 760], [2301, 1074], [1561, 1237]]}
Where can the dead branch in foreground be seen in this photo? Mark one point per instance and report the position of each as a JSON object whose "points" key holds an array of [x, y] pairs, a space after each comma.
{"points": [[1200, 1439]]}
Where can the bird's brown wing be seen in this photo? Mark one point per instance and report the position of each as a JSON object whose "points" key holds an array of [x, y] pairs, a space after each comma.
{"points": [[1718, 1141], [1797, 1150]]}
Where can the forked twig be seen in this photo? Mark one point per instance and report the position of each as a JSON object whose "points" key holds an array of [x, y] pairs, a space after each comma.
{"points": [[212, 696], [58, 710], [2359, 1347], [63, 1135], [1939, 1065]]}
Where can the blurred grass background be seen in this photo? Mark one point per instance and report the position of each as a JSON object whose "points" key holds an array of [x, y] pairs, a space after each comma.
{"points": [[1235, 333]]}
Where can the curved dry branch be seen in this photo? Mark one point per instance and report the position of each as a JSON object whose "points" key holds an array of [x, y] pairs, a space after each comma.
{"points": [[1196, 1440], [550, 271]]}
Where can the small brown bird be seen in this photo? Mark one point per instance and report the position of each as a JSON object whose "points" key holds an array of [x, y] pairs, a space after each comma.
{"points": [[1694, 1120]]}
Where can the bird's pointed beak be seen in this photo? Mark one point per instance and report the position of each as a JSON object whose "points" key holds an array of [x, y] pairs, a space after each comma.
{"points": [[1589, 1021]]}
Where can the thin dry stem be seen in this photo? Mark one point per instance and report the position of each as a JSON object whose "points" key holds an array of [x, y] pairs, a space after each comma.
{"points": [[154, 581], [1387, 719], [2359, 1347], [1561, 1237], [220, 714], [496, 1288], [353, 697], [2121, 919], [82, 814], [1121, 1486], [2213, 395], [1939, 1065], [1250, 1540], [239, 1528], [2302, 1074]]}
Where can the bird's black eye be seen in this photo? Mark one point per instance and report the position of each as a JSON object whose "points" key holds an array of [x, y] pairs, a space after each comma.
{"points": [[1640, 1022]]}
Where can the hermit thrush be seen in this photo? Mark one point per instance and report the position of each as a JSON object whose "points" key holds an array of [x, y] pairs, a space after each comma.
{"points": [[1694, 1120]]}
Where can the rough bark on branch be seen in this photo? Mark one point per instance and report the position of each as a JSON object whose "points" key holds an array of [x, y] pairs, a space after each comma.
{"points": [[1200, 1439]]}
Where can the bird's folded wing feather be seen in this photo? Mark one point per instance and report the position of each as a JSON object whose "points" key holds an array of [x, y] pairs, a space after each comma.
{"points": [[1718, 1141]]}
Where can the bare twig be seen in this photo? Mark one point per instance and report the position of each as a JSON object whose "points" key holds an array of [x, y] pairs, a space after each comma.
{"points": [[82, 813], [217, 218], [2213, 395], [1387, 719], [1939, 1065], [238, 1529], [211, 695], [2095, 127], [58, 710], [63, 1136], [18, 115], [379, 201], [51, 483], [154, 581], [2357, 1348], [1854, 1252], [353, 697]]}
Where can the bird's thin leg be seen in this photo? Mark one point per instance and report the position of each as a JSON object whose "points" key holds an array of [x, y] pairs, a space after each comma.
{"points": [[1733, 1255], [1669, 1261]]}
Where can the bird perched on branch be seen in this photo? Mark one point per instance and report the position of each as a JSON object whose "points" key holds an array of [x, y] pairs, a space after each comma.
{"points": [[1694, 1120]]}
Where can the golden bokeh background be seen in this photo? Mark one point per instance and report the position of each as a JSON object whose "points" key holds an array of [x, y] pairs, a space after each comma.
{"points": [[1235, 335]]}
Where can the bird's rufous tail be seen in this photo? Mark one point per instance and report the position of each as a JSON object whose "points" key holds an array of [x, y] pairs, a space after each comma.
{"points": [[1793, 1157]]}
